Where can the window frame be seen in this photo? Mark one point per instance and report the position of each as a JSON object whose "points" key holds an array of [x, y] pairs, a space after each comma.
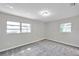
{"points": [[11, 27], [27, 27], [66, 27], [17, 28]]}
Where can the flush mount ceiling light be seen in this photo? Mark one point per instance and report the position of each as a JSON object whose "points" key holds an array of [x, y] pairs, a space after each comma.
{"points": [[45, 13]]}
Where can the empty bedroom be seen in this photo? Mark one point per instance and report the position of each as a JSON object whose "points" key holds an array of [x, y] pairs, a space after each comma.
{"points": [[39, 29]]}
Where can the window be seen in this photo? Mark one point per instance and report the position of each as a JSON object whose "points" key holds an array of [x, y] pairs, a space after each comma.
{"points": [[17, 27], [25, 28], [66, 27], [13, 27]]}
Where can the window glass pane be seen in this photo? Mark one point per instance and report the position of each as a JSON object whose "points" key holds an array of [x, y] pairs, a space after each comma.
{"points": [[25, 24], [13, 31], [13, 23], [66, 27], [16, 27], [26, 28], [13, 27], [24, 31]]}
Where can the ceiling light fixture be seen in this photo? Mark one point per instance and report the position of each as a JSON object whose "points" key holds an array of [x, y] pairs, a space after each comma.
{"points": [[45, 13]]}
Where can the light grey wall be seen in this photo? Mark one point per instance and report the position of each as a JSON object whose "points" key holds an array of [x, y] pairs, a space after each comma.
{"points": [[8, 41], [67, 38], [40, 30]]}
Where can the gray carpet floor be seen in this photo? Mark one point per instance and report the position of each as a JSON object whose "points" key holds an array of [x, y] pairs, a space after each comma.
{"points": [[43, 48]]}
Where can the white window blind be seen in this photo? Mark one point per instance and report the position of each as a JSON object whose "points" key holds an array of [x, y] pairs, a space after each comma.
{"points": [[25, 28], [13, 27]]}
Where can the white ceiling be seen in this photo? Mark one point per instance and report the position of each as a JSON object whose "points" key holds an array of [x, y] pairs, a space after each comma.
{"points": [[31, 10]]}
